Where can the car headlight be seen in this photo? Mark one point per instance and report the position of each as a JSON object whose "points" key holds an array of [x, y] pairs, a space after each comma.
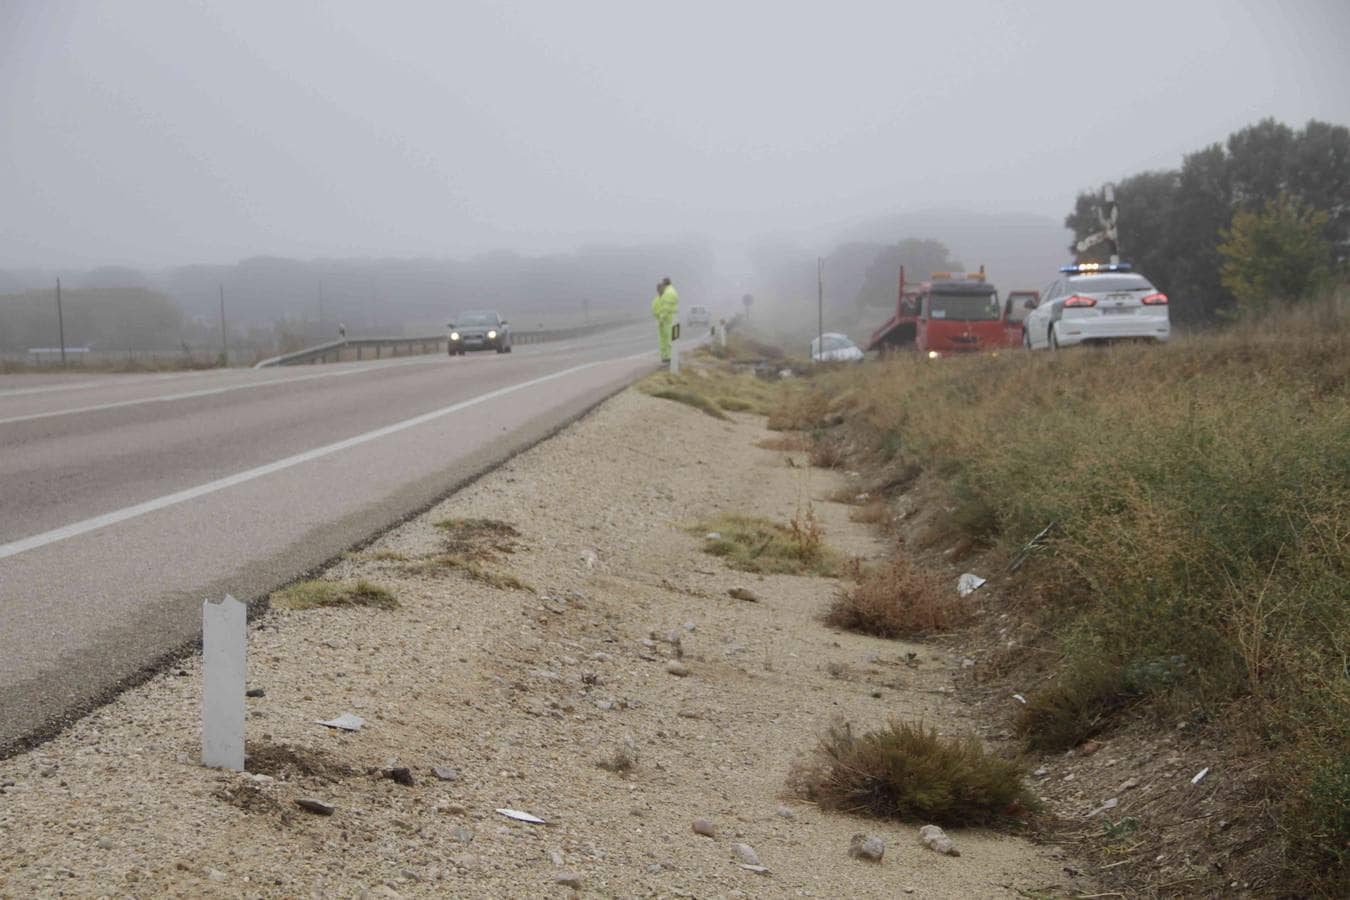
{"points": [[492, 335], [454, 335], [932, 354]]}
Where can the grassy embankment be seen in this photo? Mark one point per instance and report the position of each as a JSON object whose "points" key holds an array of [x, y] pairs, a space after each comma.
{"points": [[1197, 563]]}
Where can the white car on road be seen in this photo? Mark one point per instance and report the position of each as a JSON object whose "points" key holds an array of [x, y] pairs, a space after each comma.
{"points": [[838, 348], [1097, 303]]}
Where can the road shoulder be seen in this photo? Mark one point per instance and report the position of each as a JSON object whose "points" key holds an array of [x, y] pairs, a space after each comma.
{"points": [[564, 700]]}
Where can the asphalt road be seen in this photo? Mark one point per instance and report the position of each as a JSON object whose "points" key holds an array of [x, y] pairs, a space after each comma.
{"points": [[126, 500]]}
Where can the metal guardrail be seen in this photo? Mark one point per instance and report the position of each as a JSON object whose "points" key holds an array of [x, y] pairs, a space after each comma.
{"points": [[436, 344]]}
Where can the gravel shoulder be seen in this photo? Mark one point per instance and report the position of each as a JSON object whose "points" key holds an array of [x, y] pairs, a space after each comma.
{"points": [[522, 693]]}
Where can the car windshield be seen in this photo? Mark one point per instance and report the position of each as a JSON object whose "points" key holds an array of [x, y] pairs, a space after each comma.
{"points": [[964, 307], [476, 319], [1098, 284]]}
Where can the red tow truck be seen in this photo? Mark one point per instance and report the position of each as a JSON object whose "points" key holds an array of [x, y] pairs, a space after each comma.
{"points": [[948, 314]]}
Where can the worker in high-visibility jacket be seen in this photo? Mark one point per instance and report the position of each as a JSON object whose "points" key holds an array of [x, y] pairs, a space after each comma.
{"points": [[665, 309]]}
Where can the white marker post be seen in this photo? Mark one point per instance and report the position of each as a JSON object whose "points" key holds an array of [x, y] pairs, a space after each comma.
{"points": [[224, 646]]}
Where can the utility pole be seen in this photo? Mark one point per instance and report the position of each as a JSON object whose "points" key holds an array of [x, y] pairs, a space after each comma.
{"points": [[321, 309], [224, 335], [820, 306], [61, 323]]}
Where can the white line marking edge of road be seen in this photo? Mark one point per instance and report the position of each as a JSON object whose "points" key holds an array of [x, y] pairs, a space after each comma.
{"points": [[85, 526], [207, 392]]}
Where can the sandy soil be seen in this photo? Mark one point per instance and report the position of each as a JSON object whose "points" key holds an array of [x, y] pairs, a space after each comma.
{"points": [[523, 693]]}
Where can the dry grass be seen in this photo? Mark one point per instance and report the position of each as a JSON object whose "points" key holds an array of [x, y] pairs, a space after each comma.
{"points": [[690, 398], [1216, 469], [913, 774], [758, 545], [479, 539], [474, 569], [897, 600], [319, 594], [875, 511], [827, 453]]}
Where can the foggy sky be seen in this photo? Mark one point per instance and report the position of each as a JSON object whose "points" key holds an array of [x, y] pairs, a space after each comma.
{"points": [[159, 133]]}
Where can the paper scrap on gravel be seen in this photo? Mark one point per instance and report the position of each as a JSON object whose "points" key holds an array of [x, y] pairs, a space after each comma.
{"points": [[969, 583], [521, 816], [344, 722]]}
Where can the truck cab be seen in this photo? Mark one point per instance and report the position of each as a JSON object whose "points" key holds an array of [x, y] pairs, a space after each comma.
{"points": [[948, 314]]}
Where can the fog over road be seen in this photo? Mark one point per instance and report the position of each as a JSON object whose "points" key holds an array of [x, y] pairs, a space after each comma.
{"points": [[125, 500]]}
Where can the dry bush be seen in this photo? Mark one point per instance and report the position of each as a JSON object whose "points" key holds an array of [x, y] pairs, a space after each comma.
{"points": [[827, 453], [800, 410], [911, 773], [897, 600]]}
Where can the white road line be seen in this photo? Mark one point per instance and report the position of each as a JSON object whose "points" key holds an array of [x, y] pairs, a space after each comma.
{"points": [[130, 512], [107, 382], [206, 392]]}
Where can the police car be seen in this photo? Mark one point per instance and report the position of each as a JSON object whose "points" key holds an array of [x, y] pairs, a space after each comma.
{"points": [[1093, 303]]}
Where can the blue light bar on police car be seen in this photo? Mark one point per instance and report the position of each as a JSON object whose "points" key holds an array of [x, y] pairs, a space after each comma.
{"points": [[1088, 268]]}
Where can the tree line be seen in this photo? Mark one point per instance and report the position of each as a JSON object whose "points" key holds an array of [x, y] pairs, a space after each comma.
{"points": [[1259, 219]]}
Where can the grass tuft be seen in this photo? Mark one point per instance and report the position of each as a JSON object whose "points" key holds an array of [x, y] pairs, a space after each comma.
{"points": [[907, 772], [897, 600], [689, 398], [318, 594], [752, 544]]}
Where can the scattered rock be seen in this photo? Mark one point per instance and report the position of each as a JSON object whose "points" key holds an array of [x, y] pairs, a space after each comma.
{"points": [[739, 593], [1041, 772], [675, 667], [568, 879], [934, 839], [400, 775], [255, 692], [785, 813], [868, 847], [318, 807], [1109, 804], [215, 875], [746, 854], [461, 834], [105, 843], [444, 774], [556, 857], [713, 536], [1128, 785], [758, 870], [1090, 748], [705, 828]]}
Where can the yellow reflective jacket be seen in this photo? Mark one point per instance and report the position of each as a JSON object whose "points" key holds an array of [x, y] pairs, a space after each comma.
{"points": [[666, 305]]}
